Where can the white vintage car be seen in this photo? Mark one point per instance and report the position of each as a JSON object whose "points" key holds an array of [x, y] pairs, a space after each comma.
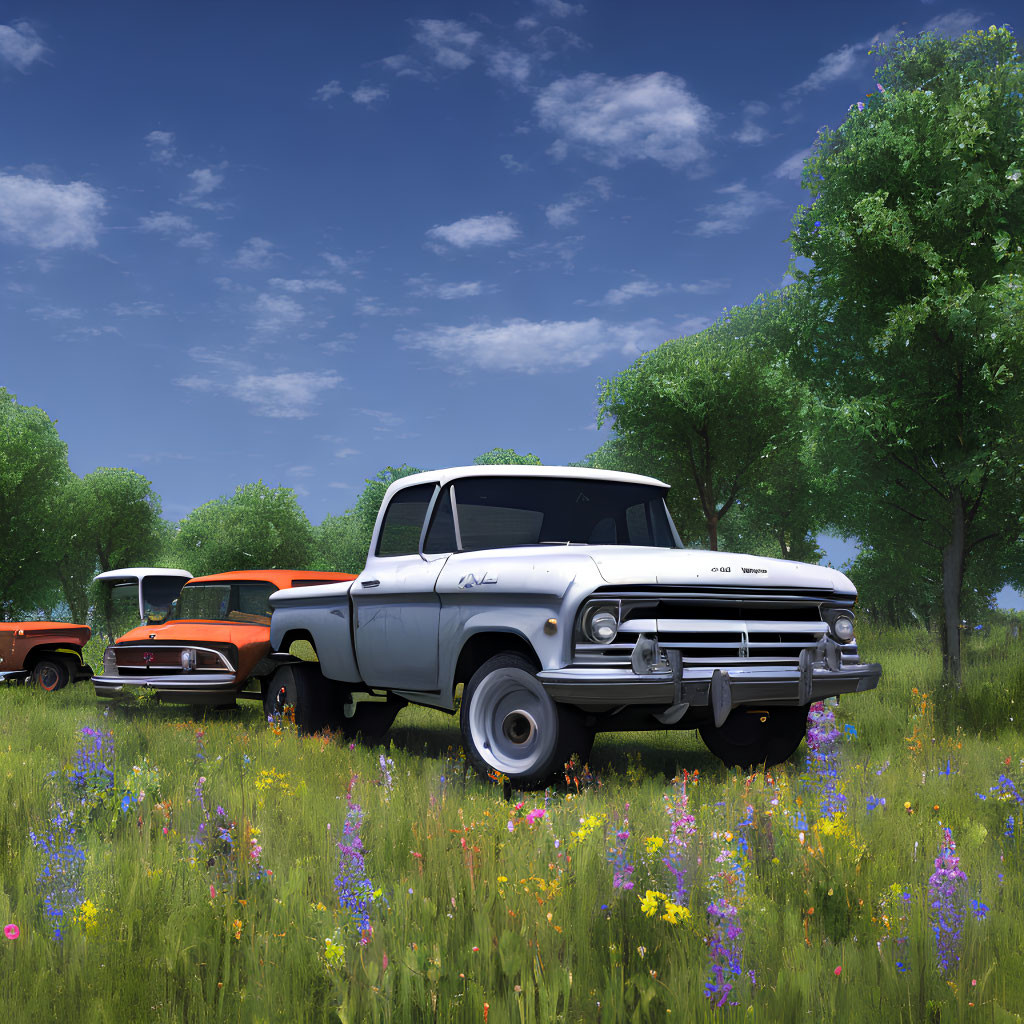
{"points": [[562, 602]]}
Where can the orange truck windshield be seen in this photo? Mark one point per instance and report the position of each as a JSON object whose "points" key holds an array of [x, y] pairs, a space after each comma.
{"points": [[226, 602]]}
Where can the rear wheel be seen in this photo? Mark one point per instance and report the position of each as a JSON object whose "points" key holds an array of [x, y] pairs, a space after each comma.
{"points": [[318, 703], [510, 725], [749, 738], [52, 673]]}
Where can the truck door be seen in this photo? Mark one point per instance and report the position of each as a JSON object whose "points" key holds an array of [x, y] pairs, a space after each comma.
{"points": [[397, 610]]}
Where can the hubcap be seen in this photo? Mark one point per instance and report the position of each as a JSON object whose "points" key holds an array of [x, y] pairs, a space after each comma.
{"points": [[519, 727], [48, 677], [513, 723]]}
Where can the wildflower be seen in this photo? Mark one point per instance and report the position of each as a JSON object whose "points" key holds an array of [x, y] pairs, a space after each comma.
{"points": [[838, 971], [386, 767], [622, 870], [946, 892], [60, 876], [353, 888], [649, 903], [875, 801], [12, 931], [86, 914]]}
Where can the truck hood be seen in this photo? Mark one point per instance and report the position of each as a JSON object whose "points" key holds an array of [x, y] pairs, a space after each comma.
{"points": [[686, 567], [184, 631]]}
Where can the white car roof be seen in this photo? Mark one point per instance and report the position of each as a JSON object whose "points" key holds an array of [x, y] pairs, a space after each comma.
{"points": [[140, 573], [443, 476]]}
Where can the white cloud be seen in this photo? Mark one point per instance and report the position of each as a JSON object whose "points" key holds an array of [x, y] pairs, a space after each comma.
{"points": [[310, 284], [335, 262], [161, 146], [449, 290], [367, 94], [328, 91], [275, 312], [510, 163], [732, 216], [344, 453], [166, 223], [255, 254], [385, 420], [840, 63], [559, 8], [197, 240], [953, 24], [490, 230], [20, 46], [285, 395], [170, 224], [616, 120], [563, 214], [792, 167], [524, 346], [632, 290], [56, 312], [204, 181], [449, 42], [282, 395], [371, 306], [510, 65], [43, 215], [750, 131], [704, 287]]}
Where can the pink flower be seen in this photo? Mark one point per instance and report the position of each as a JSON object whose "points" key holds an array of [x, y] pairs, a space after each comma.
{"points": [[213, 893], [12, 931], [838, 971]]}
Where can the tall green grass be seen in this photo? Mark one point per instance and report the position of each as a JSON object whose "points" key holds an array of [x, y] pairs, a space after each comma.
{"points": [[471, 919]]}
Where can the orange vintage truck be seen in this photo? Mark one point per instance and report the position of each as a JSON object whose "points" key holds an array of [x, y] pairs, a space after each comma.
{"points": [[47, 653], [214, 647]]}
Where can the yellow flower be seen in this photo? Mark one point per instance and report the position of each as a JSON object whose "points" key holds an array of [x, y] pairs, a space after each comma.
{"points": [[649, 903], [674, 913], [654, 844], [237, 925], [86, 914]]}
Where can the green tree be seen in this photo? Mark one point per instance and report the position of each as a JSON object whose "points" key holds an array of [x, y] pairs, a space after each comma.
{"points": [[257, 527], [506, 457], [714, 415], [33, 462], [911, 316]]}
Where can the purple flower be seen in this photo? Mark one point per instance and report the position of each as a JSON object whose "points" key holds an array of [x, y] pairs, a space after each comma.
{"points": [[946, 902], [351, 885]]}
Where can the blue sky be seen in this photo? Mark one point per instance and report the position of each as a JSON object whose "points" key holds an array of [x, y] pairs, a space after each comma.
{"points": [[301, 243]]}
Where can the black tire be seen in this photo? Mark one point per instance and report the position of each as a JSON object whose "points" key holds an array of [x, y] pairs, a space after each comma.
{"points": [[510, 725], [372, 719], [318, 702], [752, 738], [52, 673]]}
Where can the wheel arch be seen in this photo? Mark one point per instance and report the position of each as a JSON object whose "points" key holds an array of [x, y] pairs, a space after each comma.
{"points": [[41, 651], [484, 645]]}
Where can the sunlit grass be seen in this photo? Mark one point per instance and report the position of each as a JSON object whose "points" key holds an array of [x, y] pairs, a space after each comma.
{"points": [[468, 913]]}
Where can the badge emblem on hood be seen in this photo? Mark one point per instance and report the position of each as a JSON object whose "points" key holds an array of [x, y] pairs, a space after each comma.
{"points": [[471, 580]]}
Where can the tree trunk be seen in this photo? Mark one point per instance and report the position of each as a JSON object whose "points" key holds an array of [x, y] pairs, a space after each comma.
{"points": [[713, 533], [953, 556]]}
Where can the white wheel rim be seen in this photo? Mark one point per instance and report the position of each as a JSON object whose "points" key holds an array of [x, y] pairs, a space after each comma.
{"points": [[513, 723]]}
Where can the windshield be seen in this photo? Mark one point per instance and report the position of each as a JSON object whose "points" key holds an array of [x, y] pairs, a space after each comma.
{"points": [[226, 602], [494, 512]]}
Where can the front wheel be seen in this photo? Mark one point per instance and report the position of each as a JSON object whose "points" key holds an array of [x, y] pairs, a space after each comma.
{"points": [[749, 738], [51, 674], [510, 725]]}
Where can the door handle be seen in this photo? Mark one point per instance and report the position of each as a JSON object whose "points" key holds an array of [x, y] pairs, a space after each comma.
{"points": [[369, 583]]}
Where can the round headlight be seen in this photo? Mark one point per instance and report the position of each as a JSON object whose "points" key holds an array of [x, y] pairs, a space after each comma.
{"points": [[601, 625], [842, 628]]}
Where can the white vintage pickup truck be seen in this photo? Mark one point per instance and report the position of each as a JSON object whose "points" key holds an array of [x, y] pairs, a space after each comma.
{"points": [[562, 602]]}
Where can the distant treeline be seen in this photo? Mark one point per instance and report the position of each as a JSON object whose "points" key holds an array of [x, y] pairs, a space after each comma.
{"points": [[879, 396]]}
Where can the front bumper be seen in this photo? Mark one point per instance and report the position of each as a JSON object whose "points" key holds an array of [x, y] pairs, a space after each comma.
{"points": [[820, 673], [174, 685]]}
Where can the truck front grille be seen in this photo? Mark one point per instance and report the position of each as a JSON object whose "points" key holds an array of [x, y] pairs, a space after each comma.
{"points": [[715, 626]]}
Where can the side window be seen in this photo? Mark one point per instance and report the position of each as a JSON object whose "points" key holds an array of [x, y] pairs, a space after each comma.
{"points": [[403, 521], [441, 534], [636, 523]]}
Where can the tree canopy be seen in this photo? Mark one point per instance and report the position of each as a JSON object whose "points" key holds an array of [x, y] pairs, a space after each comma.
{"points": [[910, 319]]}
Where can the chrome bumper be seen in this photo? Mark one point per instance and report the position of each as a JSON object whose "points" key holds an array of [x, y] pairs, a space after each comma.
{"points": [[819, 674], [180, 684]]}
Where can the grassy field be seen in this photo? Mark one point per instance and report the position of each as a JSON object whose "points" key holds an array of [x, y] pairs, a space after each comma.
{"points": [[230, 871]]}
